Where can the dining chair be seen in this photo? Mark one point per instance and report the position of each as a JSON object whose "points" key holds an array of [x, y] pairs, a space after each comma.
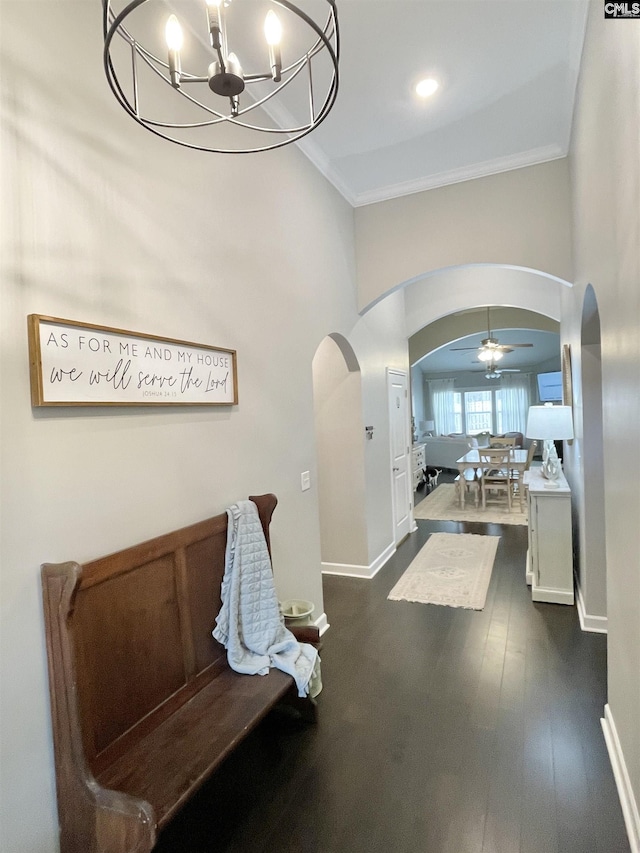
{"points": [[505, 441], [496, 472], [515, 475], [518, 436]]}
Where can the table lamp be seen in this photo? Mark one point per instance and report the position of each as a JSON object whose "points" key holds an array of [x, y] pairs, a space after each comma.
{"points": [[548, 423], [428, 427]]}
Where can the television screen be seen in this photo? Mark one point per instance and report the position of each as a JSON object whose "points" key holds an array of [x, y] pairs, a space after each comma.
{"points": [[550, 387]]}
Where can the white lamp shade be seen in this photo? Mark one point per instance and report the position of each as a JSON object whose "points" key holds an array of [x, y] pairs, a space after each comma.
{"points": [[429, 426], [550, 423]]}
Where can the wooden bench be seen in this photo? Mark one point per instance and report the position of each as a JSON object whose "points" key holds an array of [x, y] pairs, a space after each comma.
{"points": [[469, 480], [144, 705]]}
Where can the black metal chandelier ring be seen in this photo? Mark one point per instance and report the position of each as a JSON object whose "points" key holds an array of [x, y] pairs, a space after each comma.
{"points": [[129, 75]]}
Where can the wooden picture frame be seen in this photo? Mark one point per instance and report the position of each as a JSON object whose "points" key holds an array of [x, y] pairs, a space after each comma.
{"points": [[84, 364]]}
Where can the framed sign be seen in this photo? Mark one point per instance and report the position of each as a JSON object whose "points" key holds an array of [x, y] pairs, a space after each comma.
{"points": [[81, 364]]}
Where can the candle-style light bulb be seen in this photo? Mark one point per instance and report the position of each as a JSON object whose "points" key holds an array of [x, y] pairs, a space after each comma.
{"points": [[215, 23], [273, 34], [272, 28], [173, 35]]}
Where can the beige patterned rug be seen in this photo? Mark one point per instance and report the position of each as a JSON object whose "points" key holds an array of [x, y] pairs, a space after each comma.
{"points": [[453, 569], [443, 505]]}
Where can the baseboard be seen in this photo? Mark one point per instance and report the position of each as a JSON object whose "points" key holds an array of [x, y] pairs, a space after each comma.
{"points": [[322, 623], [354, 571], [593, 624], [551, 596], [623, 783]]}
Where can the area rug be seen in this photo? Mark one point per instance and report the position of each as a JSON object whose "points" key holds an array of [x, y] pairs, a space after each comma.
{"points": [[453, 569], [443, 505]]}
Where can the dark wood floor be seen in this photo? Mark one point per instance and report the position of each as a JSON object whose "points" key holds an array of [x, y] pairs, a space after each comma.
{"points": [[441, 731]]}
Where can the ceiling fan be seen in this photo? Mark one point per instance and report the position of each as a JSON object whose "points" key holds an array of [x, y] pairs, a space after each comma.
{"points": [[493, 372], [491, 350]]}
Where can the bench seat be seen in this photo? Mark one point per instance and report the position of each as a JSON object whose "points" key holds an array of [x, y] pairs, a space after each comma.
{"points": [[168, 765]]}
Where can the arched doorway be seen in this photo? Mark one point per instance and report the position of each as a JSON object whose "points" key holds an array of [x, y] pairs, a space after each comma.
{"points": [[444, 354], [436, 296], [337, 396], [592, 587]]}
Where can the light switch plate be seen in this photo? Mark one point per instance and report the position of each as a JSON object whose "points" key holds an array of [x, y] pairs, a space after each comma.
{"points": [[305, 481]]}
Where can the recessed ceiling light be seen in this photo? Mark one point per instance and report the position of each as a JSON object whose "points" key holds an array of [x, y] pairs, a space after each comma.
{"points": [[427, 87]]}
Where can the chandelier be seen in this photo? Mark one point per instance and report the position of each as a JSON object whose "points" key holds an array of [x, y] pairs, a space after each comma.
{"points": [[227, 76]]}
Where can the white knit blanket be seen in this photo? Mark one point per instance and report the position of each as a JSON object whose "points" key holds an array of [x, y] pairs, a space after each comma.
{"points": [[249, 624]]}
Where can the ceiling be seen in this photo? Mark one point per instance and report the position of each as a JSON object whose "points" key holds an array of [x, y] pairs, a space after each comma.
{"points": [[546, 346], [508, 71]]}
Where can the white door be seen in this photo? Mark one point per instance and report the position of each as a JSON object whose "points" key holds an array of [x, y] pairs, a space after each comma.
{"points": [[400, 452]]}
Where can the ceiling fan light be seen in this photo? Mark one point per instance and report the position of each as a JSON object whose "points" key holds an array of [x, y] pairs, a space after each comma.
{"points": [[486, 355]]}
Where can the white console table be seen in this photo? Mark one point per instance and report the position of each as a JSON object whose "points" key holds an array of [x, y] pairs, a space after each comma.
{"points": [[418, 465], [550, 554]]}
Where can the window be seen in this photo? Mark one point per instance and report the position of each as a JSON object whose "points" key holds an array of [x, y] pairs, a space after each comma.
{"points": [[457, 411], [474, 411], [478, 406], [499, 416], [496, 410]]}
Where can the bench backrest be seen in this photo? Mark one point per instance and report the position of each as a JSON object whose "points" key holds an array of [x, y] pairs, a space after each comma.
{"points": [[129, 635]]}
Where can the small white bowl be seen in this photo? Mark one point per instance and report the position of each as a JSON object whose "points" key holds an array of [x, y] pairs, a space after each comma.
{"points": [[296, 609]]}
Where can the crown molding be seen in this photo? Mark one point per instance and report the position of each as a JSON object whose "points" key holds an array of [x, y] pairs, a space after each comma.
{"points": [[534, 157], [322, 163]]}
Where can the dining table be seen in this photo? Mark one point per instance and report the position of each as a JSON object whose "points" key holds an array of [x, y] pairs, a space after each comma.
{"points": [[517, 462]]}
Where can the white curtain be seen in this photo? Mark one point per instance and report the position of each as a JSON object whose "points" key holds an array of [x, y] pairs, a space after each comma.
{"points": [[514, 393], [441, 393]]}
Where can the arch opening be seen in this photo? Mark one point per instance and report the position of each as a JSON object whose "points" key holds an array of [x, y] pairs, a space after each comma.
{"points": [[592, 579], [469, 272], [339, 433]]}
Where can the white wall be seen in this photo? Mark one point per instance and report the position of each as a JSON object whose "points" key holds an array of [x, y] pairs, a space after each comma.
{"points": [[417, 398], [519, 218], [435, 295], [380, 342], [605, 174], [104, 223]]}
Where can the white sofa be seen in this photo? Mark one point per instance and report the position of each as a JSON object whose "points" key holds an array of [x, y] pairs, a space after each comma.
{"points": [[443, 451]]}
